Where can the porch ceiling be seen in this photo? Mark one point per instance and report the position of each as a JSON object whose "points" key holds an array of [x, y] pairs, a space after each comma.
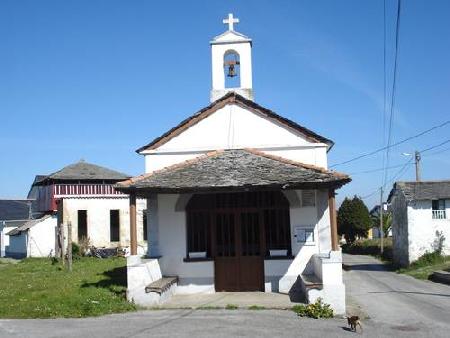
{"points": [[233, 170]]}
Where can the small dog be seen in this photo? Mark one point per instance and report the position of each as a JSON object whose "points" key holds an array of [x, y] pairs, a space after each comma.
{"points": [[354, 321]]}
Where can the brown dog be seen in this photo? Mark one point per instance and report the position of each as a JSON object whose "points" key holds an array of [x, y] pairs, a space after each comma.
{"points": [[354, 321]]}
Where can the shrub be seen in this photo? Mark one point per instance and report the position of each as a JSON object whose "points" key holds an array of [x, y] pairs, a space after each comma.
{"points": [[75, 250], [429, 258], [314, 310]]}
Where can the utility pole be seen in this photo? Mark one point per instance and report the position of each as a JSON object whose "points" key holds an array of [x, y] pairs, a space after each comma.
{"points": [[417, 158], [381, 221]]}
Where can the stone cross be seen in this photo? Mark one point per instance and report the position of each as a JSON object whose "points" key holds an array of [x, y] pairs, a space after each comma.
{"points": [[230, 21]]}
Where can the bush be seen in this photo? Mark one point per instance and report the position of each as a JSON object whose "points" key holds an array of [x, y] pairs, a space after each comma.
{"points": [[231, 307], [429, 258], [314, 310], [370, 247], [76, 250]]}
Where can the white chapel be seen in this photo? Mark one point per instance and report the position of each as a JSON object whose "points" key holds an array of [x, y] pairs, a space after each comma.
{"points": [[239, 198]]}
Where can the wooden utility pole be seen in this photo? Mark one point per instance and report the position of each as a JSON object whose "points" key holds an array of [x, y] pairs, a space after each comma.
{"points": [[417, 160], [381, 222], [69, 245]]}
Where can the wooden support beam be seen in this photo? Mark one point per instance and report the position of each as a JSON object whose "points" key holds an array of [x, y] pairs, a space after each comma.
{"points": [[133, 230], [333, 220]]}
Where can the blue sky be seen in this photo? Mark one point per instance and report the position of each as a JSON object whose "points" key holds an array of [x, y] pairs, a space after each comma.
{"points": [[98, 79]]}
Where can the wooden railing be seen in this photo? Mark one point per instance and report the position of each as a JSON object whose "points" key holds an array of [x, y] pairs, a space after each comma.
{"points": [[84, 189], [439, 214]]}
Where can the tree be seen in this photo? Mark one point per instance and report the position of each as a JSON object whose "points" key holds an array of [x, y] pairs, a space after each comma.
{"points": [[353, 219], [387, 222]]}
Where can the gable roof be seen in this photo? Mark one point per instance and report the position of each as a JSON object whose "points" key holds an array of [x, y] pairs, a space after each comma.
{"points": [[234, 170], [14, 210], [83, 171], [233, 97], [27, 225], [424, 190]]}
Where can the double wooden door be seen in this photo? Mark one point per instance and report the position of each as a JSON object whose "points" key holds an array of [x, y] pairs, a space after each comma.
{"points": [[239, 251]]}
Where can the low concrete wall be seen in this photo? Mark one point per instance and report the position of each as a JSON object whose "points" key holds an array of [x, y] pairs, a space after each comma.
{"points": [[328, 268], [140, 273]]}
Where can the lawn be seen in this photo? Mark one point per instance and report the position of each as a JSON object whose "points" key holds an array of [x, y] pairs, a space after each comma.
{"points": [[38, 288]]}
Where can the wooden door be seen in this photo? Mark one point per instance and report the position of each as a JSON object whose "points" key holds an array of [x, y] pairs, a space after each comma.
{"points": [[239, 262]]}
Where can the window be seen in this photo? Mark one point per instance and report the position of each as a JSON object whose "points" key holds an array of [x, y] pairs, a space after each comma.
{"points": [[114, 225], [438, 209], [278, 232], [308, 198], [144, 224], [198, 236], [82, 225], [305, 235]]}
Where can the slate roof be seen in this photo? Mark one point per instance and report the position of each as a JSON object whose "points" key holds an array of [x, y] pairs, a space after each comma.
{"points": [[13, 210], [27, 225], [424, 190], [245, 169], [233, 97], [83, 171]]}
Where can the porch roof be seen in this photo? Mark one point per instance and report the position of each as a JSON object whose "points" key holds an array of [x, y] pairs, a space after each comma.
{"points": [[228, 170]]}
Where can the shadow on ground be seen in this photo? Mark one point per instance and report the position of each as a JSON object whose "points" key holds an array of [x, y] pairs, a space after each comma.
{"points": [[114, 280]]}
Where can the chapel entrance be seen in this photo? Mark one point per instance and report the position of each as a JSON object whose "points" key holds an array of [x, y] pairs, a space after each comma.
{"points": [[238, 230], [239, 261]]}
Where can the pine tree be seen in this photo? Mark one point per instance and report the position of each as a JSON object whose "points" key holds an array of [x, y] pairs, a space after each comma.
{"points": [[353, 219]]}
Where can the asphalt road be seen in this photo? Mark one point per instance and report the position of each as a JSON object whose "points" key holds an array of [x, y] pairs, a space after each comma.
{"points": [[398, 306], [397, 301]]}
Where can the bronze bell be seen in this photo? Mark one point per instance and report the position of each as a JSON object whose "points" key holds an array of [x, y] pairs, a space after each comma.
{"points": [[231, 71], [232, 68]]}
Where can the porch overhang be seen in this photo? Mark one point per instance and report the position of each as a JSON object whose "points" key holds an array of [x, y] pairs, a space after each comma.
{"points": [[233, 171]]}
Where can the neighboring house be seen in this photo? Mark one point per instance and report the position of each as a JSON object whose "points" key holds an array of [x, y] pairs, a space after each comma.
{"points": [[13, 213], [420, 212], [239, 198], [33, 238], [83, 194]]}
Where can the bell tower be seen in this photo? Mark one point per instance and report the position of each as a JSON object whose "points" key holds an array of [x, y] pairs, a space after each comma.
{"points": [[231, 54]]}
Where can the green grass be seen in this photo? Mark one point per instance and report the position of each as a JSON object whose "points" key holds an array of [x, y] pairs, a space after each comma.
{"points": [[36, 288], [231, 307], [370, 247], [426, 265], [256, 307]]}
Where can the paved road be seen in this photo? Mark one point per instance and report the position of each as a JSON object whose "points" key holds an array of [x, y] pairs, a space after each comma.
{"points": [[398, 306], [397, 301]]}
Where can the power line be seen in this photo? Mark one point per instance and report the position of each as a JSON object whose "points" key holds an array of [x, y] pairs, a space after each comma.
{"points": [[384, 78], [392, 145], [435, 146], [394, 86], [376, 170], [402, 171]]}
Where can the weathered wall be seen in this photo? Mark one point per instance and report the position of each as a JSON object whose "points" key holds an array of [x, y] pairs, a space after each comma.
{"points": [[400, 241], [98, 216], [233, 127], [422, 229]]}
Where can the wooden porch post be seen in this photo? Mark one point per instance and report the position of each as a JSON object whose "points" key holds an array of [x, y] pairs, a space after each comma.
{"points": [[133, 231], [333, 220]]}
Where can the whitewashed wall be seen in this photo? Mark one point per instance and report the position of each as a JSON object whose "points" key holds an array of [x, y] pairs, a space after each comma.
{"points": [[233, 127], [422, 229], [4, 238], [199, 276], [98, 219], [41, 238]]}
